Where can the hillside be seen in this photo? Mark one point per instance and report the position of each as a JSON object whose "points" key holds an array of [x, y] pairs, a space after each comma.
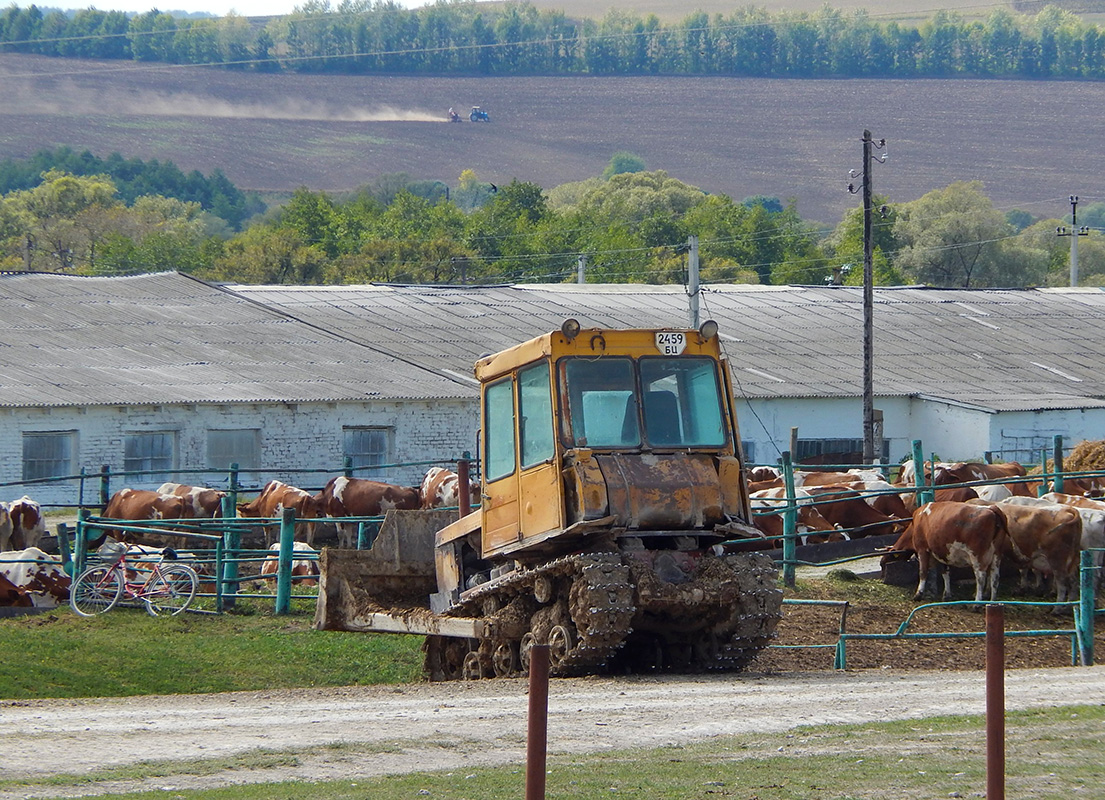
{"points": [[1031, 143]]}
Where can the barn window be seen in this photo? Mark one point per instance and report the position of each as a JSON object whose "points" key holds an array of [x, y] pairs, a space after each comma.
{"points": [[839, 452], [367, 447], [48, 454], [149, 452], [241, 446]]}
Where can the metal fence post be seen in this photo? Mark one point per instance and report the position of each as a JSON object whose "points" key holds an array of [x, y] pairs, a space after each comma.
{"points": [[347, 467], [537, 729], [1057, 457], [232, 543], [105, 484], [790, 522], [1087, 580], [361, 535], [464, 486], [63, 546], [284, 563], [924, 495], [217, 568], [80, 546], [232, 489], [995, 702]]}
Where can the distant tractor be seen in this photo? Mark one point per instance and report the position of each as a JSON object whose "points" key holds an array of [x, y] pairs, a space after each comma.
{"points": [[479, 115]]}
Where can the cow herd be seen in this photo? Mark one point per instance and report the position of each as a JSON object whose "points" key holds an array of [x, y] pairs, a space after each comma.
{"points": [[1001, 525], [342, 498], [28, 576]]}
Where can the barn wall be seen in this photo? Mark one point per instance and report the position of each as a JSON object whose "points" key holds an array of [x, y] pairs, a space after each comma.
{"points": [[951, 431], [1019, 435], [293, 436]]}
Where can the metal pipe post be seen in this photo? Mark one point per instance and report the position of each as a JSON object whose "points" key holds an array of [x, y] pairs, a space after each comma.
{"points": [[537, 737], [63, 547], [232, 543], [80, 544], [995, 702], [464, 486], [924, 495], [105, 484], [1087, 581], [1057, 457], [790, 522], [217, 568], [284, 562]]}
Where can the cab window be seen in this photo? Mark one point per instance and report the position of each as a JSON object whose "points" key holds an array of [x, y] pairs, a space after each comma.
{"points": [[498, 427], [535, 417], [602, 402], [681, 398]]}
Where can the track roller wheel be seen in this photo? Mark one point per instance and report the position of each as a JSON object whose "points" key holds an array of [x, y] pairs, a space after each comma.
{"points": [[505, 659], [528, 641], [473, 669], [490, 604], [445, 658], [543, 589], [561, 642]]}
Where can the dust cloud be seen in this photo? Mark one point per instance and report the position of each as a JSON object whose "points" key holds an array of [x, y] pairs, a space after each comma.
{"points": [[80, 102]]}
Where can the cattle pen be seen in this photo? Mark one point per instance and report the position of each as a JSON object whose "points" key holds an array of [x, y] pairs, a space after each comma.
{"points": [[216, 547]]}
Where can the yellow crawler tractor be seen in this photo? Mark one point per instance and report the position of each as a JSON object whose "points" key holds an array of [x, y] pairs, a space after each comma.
{"points": [[611, 481]]}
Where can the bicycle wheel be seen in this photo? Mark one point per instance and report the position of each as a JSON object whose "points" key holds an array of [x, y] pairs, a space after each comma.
{"points": [[171, 590], [96, 590]]}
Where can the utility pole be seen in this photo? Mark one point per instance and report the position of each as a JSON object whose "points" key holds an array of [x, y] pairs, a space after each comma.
{"points": [[1073, 233], [869, 145], [692, 279], [581, 269]]}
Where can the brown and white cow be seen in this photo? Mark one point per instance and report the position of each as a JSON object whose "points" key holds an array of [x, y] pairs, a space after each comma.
{"points": [[971, 471], [357, 497], [138, 505], [441, 489], [202, 502], [768, 506], [36, 576], [960, 494], [305, 571], [28, 526], [276, 496], [956, 535], [847, 510], [1045, 538], [1092, 513]]}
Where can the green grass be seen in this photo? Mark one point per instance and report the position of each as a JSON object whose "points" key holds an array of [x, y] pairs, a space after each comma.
{"points": [[127, 652], [1051, 754]]}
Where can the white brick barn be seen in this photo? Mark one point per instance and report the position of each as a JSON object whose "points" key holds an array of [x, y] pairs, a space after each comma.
{"points": [[166, 372]]}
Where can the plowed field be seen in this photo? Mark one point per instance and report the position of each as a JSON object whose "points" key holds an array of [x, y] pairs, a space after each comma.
{"points": [[1031, 143]]}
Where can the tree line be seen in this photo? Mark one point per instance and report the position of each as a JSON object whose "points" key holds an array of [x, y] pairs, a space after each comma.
{"points": [[133, 178], [465, 37], [628, 225]]}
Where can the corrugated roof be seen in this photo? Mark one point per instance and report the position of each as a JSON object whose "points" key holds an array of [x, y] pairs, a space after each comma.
{"points": [[994, 349], [168, 338]]}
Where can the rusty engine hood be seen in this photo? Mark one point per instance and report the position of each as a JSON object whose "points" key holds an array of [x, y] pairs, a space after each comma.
{"points": [[648, 491]]}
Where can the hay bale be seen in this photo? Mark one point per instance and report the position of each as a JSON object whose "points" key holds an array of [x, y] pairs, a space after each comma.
{"points": [[1086, 457]]}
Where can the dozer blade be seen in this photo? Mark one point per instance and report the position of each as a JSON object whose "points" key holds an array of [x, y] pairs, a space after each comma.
{"points": [[394, 576]]}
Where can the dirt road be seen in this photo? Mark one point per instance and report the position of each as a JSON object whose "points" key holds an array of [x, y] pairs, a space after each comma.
{"points": [[442, 726]]}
